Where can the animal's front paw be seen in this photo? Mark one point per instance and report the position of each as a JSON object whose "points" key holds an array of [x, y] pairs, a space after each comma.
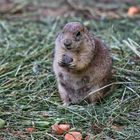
{"points": [[72, 66], [61, 63], [65, 61]]}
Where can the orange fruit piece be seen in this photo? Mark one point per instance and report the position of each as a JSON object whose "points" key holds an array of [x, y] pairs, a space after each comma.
{"points": [[30, 129], [133, 11], [60, 129], [73, 136], [87, 137]]}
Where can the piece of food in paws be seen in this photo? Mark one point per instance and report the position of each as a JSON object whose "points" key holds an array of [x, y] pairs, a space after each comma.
{"points": [[66, 60]]}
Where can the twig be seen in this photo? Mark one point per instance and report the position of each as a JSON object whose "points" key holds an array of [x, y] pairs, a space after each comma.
{"points": [[115, 83]]}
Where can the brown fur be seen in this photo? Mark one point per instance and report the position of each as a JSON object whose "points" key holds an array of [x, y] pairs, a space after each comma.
{"points": [[86, 66]]}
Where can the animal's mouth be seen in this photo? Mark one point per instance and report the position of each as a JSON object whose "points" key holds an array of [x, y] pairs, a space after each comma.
{"points": [[72, 48]]}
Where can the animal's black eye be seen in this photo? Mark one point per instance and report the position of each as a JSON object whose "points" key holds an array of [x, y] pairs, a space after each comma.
{"points": [[78, 34]]}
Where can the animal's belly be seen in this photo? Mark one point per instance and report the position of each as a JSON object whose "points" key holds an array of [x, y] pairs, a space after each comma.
{"points": [[77, 88], [76, 82]]}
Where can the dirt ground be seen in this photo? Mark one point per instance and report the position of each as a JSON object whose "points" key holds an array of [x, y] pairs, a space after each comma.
{"points": [[91, 9]]}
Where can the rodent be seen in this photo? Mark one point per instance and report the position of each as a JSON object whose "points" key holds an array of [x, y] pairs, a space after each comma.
{"points": [[81, 64]]}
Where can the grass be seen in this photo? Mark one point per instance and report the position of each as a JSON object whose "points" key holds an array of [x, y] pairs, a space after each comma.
{"points": [[28, 87]]}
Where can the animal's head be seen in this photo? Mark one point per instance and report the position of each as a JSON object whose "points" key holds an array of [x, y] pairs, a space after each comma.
{"points": [[72, 35], [73, 42]]}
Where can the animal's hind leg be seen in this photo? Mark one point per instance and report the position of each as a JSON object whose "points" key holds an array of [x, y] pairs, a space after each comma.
{"points": [[63, 94], [96, 96]]}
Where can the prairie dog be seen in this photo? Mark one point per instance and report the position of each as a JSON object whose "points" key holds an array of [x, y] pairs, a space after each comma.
{"points": [[82, 63]]}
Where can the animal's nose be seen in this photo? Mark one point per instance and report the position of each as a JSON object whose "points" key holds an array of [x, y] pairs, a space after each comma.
{"points": [[67, 43]]}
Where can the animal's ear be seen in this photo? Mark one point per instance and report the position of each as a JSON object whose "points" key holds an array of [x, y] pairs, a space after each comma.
{"points": [[85, 29]]}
